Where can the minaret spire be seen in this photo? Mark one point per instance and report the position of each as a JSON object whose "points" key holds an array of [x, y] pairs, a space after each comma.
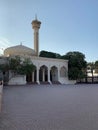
{"points": [[36, 25]]}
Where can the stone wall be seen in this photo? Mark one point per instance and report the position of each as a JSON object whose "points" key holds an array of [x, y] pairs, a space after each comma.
{"points": [[1, 94], [17, 80]]}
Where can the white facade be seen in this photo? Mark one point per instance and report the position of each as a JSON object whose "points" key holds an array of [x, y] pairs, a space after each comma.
{"points": [[50, 70]]}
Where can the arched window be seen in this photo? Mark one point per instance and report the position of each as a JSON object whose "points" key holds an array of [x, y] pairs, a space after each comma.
{"points": [[63, 72]]}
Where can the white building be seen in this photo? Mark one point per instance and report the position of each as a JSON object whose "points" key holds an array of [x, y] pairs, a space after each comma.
{"points": [[48, 70]]}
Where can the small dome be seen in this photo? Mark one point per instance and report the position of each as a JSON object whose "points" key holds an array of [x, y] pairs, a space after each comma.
{"points": [[19, 50]]}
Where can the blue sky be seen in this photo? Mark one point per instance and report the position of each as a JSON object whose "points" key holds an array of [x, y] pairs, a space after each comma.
{"points": [[67, 25]]}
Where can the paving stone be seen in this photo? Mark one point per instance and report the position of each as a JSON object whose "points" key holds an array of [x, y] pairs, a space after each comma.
{"points": [[50, 107]]}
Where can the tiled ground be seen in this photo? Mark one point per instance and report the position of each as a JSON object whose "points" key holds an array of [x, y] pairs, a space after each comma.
{"points": [[50, 107]]}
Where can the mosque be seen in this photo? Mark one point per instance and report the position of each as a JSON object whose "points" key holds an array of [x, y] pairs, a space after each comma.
{"points": [[48, 70]]}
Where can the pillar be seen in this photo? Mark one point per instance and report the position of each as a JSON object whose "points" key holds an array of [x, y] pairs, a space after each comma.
{"points": [[33, 76], [43, 75], [58, 73], [37, 76], [49, 75]]}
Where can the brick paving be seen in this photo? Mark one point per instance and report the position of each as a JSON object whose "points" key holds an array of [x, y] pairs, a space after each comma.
{"points": [[50, 107]]}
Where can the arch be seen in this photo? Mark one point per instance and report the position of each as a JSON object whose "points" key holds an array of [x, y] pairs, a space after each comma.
{"points": [[31, 77], [54, 73], [42, 65], [63, 71], [43, 73]]}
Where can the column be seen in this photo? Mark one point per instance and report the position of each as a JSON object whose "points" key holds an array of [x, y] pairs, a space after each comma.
{"points": [[43, 75], [33, 76], [58, 74], [49, 75], [37, 76]]}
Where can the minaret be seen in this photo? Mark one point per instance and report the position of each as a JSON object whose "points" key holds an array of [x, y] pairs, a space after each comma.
{"points": [[36, 25]]}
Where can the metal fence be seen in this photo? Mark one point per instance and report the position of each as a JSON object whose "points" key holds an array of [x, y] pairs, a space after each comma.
{"points": [[92, 80]]}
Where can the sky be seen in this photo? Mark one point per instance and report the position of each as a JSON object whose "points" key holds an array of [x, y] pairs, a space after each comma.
{"points": [[66, 25]]}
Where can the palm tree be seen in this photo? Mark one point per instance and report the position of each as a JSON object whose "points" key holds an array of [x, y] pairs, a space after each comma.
{"points": [[92, 68]]}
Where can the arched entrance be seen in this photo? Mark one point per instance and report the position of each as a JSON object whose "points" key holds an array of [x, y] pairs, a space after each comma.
{"points": [[43, 74], [54, 74], [34, 76], [31, 77]]}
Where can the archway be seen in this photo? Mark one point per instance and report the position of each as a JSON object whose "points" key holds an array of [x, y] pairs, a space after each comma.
{"points": [[43, 74], [31, 77], [54, 74], [63, 72]]}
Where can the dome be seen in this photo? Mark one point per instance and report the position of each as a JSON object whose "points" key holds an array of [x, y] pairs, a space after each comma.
{"points": [[19, 50]]}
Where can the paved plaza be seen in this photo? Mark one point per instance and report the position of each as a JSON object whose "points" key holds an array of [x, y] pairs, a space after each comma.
{"points": [[50, 107]]}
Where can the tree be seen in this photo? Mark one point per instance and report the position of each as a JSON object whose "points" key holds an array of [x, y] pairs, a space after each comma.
{"points": [[96, 66], [4, 70], [4, 67], [49, 54], [19, 66], [92, 67], [14, 64], [26, 67], [76, 65]]}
